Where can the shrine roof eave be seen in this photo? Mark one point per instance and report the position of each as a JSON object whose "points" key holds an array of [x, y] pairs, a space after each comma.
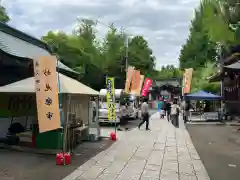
{"points": [[216, 77]]}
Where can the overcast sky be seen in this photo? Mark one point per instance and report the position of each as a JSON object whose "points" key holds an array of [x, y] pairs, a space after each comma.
{"points": [[164, 23]]}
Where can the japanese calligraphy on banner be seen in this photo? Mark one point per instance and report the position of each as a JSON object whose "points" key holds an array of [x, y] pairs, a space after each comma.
{"points": [[111, 98], [187, 80], [146, 86], [135, 83], [46, 83], [128, 79]]}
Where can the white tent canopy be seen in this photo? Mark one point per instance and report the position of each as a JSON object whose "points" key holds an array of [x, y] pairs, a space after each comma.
{"points": [[67, 85]]}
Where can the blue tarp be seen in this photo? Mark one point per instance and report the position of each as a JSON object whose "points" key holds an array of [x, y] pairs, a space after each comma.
{"points": [[202, 95]]}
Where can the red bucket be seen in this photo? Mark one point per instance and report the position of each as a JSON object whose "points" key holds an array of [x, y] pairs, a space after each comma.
{"points": [[60, 159], [113, 136]]}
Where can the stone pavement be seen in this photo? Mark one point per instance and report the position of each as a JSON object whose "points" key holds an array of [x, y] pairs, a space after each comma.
{"points": [[164, 153]]}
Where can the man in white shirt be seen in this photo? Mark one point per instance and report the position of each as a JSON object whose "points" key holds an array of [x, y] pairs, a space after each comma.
{"points": [[145, 114]]}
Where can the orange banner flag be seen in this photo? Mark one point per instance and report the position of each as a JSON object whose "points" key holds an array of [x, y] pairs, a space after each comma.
{"points": [[136, 78], [187, 80], [128, 79], [46, 83]]}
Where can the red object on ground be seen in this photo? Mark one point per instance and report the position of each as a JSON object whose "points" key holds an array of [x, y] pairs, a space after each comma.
{"points": [[113, 136], [60, 158]]}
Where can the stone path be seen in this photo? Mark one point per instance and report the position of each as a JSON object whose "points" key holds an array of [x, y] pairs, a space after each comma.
{"points": [[164, 153]]}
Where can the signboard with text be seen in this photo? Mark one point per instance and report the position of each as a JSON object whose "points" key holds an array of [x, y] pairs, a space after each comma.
{"points": [[46, 84], [111, 99]]}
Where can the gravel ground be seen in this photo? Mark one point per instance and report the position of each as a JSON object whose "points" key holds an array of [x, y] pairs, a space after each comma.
{"points": [[219, 149]]}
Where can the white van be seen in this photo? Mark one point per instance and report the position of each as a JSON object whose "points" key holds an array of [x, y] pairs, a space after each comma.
{"points": [[103, 109]]}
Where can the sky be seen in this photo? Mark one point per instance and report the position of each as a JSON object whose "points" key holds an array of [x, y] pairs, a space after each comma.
{"points": [[163, 23]]}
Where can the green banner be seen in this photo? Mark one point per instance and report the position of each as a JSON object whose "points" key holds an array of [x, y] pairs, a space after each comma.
{"points": [[17, 105]]}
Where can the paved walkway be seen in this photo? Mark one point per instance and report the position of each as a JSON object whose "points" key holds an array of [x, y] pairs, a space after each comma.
{"points": [[164, 153]]}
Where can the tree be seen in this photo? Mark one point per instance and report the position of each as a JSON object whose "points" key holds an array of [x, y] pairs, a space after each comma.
{"points": [[200, 82], [140, 55], [3, 15], [217, 17], [168, 72], [199, 48], [84, 52]]}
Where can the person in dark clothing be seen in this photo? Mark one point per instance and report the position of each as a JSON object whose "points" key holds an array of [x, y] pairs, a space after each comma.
{"points": [[186, 110], [168, 110], [163, 110]]}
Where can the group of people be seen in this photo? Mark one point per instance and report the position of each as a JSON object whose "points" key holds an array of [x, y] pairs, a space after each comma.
{"points": [[170, 109]]}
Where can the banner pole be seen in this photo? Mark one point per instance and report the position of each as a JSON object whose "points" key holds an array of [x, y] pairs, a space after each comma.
{"points": [[114, 97], [61, 111]]}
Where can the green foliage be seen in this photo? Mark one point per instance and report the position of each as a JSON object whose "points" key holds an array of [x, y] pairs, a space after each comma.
{"points": [[200, 82], [215, 14], [210, 27], [168, 72], [94, 58], [199, 48], [3, 15]]}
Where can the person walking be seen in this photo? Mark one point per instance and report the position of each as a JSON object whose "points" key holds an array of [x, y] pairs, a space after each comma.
{"points": [[186, 110], [168, 110], [145, 114], [163, 110], [175, 111]]}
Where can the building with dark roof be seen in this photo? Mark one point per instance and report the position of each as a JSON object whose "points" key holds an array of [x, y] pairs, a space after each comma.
{"points": [[17, 50], [171, 86]]}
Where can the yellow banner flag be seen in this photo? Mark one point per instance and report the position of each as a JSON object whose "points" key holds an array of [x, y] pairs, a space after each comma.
{"points": [[111, 98]]}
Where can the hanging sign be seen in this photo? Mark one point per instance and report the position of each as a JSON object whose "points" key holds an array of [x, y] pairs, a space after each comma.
{"points": [[135, 83], [187, 80], [111, 99], [46, 83], [138, 91], [130, 72], [146, 86]]}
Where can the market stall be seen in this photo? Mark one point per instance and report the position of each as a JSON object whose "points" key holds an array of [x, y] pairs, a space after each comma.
{"points": [[208, 112], [77, 112]]}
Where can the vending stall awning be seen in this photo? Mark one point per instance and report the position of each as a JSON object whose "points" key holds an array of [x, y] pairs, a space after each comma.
{"points": [[67, 86]]}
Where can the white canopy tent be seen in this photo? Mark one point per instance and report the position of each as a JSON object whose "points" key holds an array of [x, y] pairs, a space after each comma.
{"points": [[67, 85], [75, 101]]}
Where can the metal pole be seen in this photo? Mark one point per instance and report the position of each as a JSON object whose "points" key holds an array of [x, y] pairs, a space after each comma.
{"points": [[219, 52], [126, 53], [60, 99]]}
